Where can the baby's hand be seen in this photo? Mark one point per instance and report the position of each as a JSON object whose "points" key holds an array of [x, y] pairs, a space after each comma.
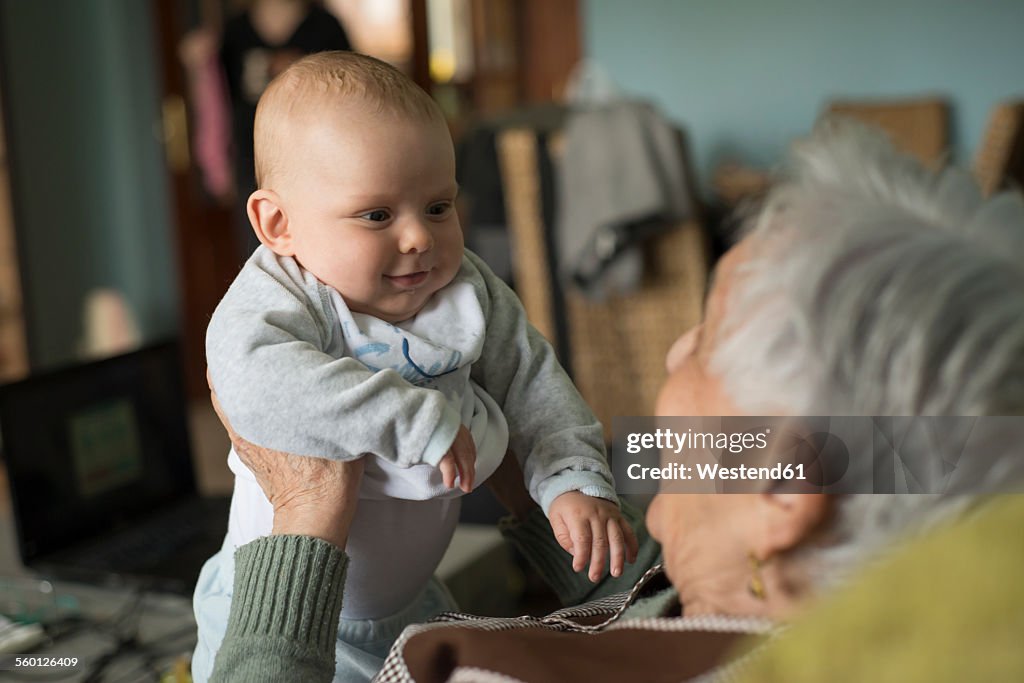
{"points": [[590, 528], [460, 459]]}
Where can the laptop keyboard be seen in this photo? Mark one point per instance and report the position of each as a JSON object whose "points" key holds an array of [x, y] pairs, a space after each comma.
{"points": [[150, 544]]}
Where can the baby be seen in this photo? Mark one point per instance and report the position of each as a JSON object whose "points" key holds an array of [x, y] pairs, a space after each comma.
{"points": [[361, 326]]}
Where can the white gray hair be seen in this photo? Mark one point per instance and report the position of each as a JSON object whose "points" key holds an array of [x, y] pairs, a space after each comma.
{"points": [[876, 287]]}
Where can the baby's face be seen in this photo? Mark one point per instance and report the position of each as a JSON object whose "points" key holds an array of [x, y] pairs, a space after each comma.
{"points": [[370, 202]]}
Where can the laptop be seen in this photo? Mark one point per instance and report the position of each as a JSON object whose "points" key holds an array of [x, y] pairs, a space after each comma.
{"points": [[100, 470]]}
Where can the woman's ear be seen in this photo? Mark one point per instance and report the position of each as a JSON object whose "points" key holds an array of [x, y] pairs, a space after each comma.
{"points": [[269, 220], [788, 519]]}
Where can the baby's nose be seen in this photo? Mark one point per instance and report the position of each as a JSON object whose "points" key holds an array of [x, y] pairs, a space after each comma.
{"points": [[415, 238]]}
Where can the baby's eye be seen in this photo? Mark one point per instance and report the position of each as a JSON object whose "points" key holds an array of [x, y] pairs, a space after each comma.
{"points": [[439, 209], [376, 216]]}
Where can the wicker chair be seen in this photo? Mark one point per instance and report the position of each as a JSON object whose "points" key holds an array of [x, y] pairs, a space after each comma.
{"points": [[617, 347], [1000, 159], [919, 127]]}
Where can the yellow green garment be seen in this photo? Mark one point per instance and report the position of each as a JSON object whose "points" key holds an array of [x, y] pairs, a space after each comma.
{"points": [[948, 608]]}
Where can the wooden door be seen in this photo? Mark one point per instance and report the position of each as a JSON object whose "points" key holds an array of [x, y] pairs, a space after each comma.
{"points": [[206, 251], [13, 346]]}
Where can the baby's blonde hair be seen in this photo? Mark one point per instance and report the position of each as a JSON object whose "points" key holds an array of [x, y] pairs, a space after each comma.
{"points": [[317, 78]]}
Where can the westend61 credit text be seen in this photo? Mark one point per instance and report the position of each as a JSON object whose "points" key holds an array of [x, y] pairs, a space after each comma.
{"points": [[715, 472], [736, 442], [810, 454]]}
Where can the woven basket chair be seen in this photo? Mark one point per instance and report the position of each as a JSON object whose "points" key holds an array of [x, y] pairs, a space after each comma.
{"points": [[617, 347], [919, 127], [1000, 159]]}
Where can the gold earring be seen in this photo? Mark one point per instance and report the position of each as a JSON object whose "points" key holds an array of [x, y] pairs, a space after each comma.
{"points": [[756, 584]]}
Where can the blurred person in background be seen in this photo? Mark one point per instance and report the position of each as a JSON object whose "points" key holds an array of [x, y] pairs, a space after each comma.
{"points": [[229, 72]]}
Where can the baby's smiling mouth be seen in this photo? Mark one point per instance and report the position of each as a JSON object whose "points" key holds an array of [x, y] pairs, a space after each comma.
{"points": [[409, 280]]}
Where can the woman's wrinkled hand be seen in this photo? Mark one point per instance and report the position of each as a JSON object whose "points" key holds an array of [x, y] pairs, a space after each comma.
{"points": [[311, 496]]}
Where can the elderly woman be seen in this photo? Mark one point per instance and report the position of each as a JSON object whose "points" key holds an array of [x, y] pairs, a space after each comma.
{"points": [[867, 286]]}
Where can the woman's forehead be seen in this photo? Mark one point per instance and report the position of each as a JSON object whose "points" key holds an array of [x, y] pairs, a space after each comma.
{"points": [[723, 277]]}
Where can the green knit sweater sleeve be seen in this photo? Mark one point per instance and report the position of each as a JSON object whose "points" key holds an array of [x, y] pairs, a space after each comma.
{"points": [[284, 613], [535, 539]]}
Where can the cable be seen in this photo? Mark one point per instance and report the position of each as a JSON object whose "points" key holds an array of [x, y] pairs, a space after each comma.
{"points": [[123, 628]]}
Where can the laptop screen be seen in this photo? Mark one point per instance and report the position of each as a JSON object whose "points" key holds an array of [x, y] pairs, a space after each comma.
{"points": [[91, 448]]}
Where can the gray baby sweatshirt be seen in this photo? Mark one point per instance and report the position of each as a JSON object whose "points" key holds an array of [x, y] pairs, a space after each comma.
{"points": [[286, 380]]}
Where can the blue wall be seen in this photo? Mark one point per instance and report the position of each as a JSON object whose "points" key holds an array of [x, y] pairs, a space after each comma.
{"points": [[89, 181], [746, 76]]}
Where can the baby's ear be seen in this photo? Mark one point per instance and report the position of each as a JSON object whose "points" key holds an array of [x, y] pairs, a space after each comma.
{"points": [[269, 220]]}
